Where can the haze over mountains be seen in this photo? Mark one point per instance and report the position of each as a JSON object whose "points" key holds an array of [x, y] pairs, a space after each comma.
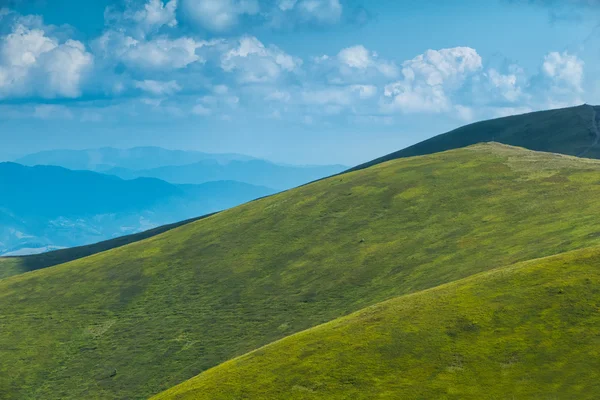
{"points": [[467, 273], [46, 207], [182, 167], [137, 158], [158, 186]]}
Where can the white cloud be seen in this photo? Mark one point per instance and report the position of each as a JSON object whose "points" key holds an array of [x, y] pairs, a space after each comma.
{"points": [[354, 65], [507, 85], [364, 91], [408, 96], [219, 15], [139, 22], [32, 63], [439, 67], [256, 63], [430, 79], [158, 88], [158, 53], [359, 57], [156, 14], [356, 57], [564, 69], [322, 11], [289, 12]]}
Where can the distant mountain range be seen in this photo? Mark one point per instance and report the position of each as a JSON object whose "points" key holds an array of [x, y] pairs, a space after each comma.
{"points": [[182, 167], [254, 172], [63, 198], [48, 207], [137, 158]]}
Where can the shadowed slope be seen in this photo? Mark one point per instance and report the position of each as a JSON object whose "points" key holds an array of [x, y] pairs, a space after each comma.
{"points": [[571, 131], [528, 331], [136, 320]]}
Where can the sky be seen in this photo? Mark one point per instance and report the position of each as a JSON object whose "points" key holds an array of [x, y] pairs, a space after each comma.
{"points": [[293, 81]]}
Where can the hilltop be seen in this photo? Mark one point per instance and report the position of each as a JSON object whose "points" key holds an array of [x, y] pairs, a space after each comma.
{"points": [[136, 320], [572, 131]]}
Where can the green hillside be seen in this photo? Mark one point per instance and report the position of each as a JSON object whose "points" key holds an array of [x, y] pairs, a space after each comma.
{"points": [[528, 331], [10, 266], [572, 131], [136, 320]]}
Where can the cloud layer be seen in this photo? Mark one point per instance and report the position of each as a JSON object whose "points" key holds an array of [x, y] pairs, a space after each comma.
{"points": [[147, 55]]}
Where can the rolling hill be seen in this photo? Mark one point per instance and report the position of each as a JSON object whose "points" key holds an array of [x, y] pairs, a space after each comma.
{"points": [[572, 131], [46, 206], [136, 320], [526, 331]]}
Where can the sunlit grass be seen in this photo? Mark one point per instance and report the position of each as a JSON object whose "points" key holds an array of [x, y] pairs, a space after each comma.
{"points": [[136, 320]]}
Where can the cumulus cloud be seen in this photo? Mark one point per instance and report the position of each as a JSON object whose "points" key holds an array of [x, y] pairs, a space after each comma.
{"points": [[255, 63], [564, 69], [506, 84], [560, 81], [430, 79], [356, 57], [221, 15], [315, 11], [141, 21], [35, 64], [225, 15], [157, 53], [354, 65], [158, 88]]}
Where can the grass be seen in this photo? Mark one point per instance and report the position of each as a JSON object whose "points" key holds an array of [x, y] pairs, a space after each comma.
{"points": [[567, 131], [10, 266], [528, 331], [136, 320]]}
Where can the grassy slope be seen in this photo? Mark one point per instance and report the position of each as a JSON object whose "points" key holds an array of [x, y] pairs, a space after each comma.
{"points": [[531, 330], [10, 266], [566, 131], [136, 320]]}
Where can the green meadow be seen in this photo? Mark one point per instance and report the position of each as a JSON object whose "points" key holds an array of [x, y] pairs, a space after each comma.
{"points": [[526, 331], [136, 320]]}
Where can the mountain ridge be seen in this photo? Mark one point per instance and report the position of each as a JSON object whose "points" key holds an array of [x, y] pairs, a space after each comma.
{"points": [[571, 131]]}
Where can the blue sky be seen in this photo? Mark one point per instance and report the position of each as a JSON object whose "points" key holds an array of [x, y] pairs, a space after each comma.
{"points": [[295, 81]]}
